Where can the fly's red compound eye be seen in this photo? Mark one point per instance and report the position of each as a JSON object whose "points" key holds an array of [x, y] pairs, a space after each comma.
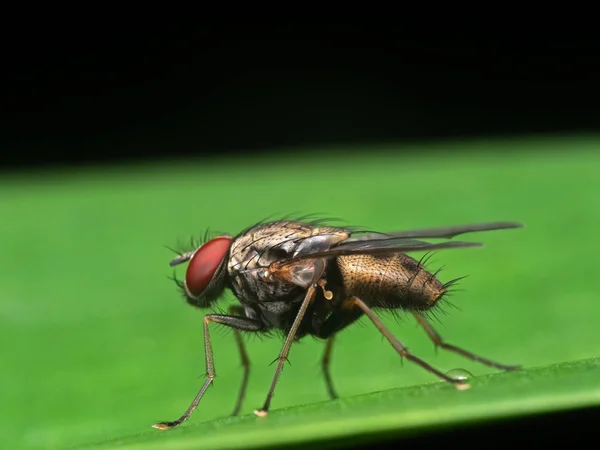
{"points": [[205, 263]]}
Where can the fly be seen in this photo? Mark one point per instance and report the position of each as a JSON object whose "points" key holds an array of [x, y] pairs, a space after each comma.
{"points": [[306, 278]]}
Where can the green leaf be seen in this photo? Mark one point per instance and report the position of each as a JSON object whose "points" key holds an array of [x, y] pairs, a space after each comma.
{"points": [[397, 411], [99, 345]]}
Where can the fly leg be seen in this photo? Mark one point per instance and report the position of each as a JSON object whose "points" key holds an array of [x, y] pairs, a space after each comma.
{"points": [[337, 321], [235, 322], [285, 350], [438, 341], [399, 347], [325, 366], [238, 310]]}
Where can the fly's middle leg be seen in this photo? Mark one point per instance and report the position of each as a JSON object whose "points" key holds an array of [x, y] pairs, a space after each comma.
{"points": [[325, 361]]}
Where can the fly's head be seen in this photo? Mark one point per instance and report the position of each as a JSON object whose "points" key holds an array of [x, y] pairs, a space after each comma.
{"points": [[206, 274]]}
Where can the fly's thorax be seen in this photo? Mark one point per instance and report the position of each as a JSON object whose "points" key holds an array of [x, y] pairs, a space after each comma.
{"points": [[390, 281], [260, 246], [264, 244]]}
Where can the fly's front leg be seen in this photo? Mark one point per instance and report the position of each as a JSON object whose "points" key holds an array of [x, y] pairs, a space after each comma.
{"points": [[238, 310], [235, 322]]}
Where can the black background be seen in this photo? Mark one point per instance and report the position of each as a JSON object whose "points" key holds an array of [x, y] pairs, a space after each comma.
{"points": [[110, 96]]}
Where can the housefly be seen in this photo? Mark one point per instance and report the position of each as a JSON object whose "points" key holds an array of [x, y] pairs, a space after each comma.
{"points": [[302, 277]]}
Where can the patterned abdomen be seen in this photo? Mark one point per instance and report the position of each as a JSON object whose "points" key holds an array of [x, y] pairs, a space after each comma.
{"points": [[390, 281]]}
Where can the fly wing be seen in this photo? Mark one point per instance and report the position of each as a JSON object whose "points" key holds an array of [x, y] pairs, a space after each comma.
{"points": [[400, 242], [379, 247], [439, 232]]}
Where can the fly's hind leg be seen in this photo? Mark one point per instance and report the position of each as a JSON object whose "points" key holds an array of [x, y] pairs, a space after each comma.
{"points": [[398, 346], [438, 341]]}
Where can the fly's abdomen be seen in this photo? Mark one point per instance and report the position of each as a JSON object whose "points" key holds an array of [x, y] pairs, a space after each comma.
{"points": [[390, 281]]}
